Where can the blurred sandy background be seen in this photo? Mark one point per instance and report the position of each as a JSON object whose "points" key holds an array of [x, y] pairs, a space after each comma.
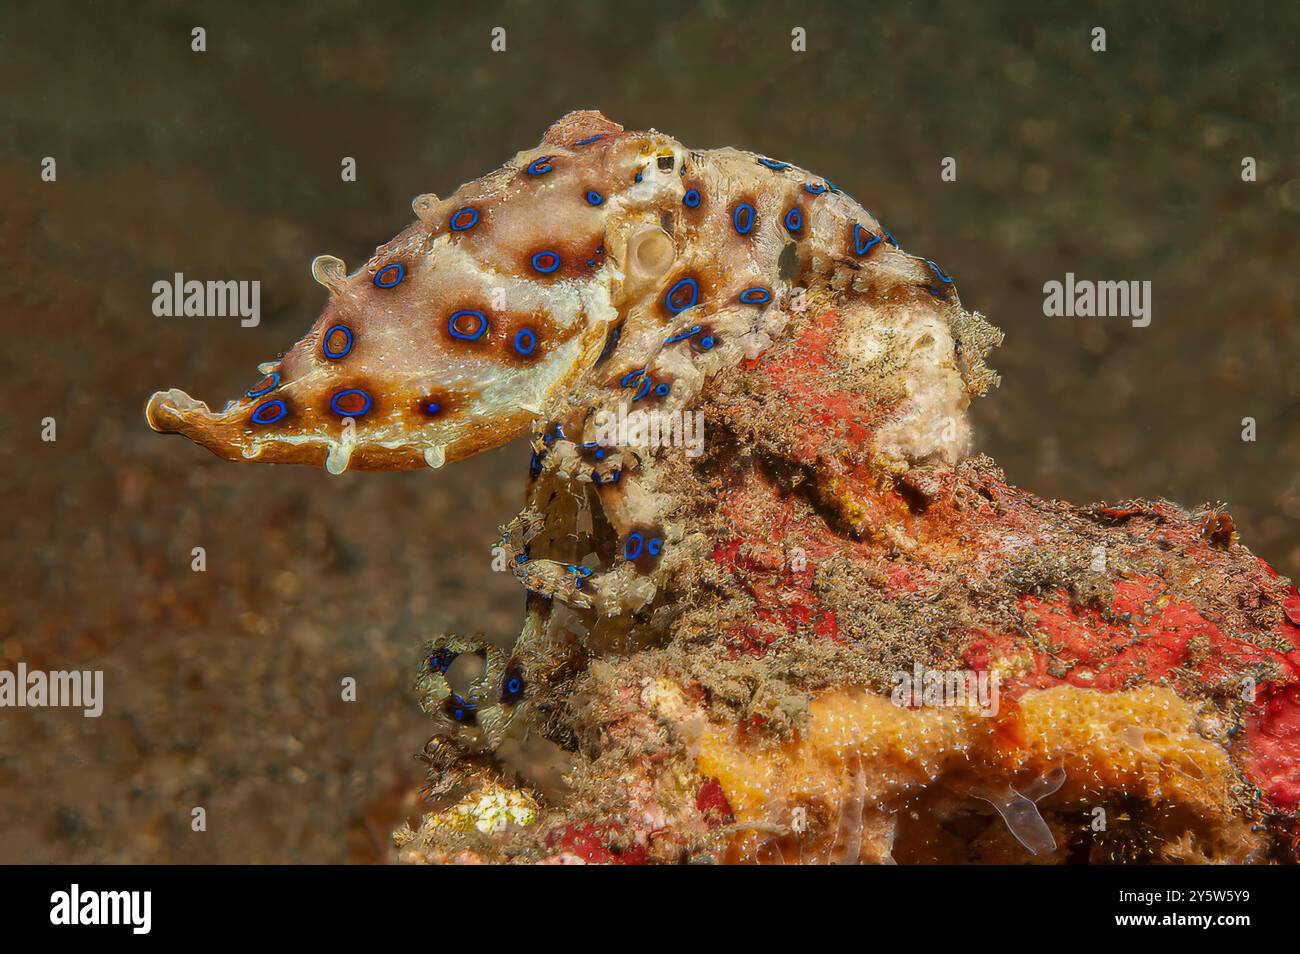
{"points": [[223, 687]]}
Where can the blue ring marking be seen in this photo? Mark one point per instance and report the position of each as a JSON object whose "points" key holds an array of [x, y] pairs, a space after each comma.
{"points": [[691, 333], [601, 453], [432, 408], [459, 214], [540, 166], [325, 341], [275, 383], [863, 241], [707, 342], [773, 163], [750, 216], [644, 389], [689, 283], [555, 263], [662, 389], [815, 188], [525, 341], [515, 686], [479, 328], [758, 295], [594, 197], [278, 407], [334, 402], [589, 140], [654, 547], [460, 709], [793, 220], [938, 272], [637, 177], [534, 465], [691, 199], [891, 240], [580, 573], [633, 537], [401, 273], [627, 379]]}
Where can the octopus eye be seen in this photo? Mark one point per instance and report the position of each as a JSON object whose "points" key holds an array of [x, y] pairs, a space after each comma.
{"points": [[390, 275], [651, 252], [665, 163]]}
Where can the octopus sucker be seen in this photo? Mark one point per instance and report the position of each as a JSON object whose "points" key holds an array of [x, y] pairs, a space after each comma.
{"points": [[827, 630]]}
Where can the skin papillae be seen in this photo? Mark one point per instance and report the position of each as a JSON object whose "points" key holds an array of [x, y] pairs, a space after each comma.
{"points": [[718, 633]]}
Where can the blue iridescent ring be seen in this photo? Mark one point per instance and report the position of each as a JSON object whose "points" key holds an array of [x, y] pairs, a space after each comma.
{"points": [[594, 197], [395, 271], [275, 383], [691, 199], [863, 241], [347, 344], [480, 324], [525, 341], [546, 261], [815, 188], [757, 295], [540, 166], [589, 140], [632, 545], [268, 412], [773, 163], [793, 220], [464, 219], [688, 284], [742, 218], [337, 405], [938, 272]]}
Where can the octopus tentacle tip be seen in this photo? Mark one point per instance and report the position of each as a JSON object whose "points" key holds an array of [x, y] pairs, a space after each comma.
{"points": [[424, 205], [167, 411], [330, 271]]}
